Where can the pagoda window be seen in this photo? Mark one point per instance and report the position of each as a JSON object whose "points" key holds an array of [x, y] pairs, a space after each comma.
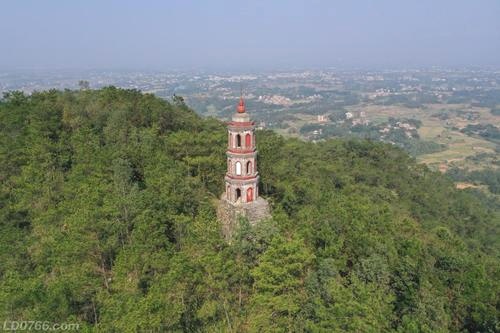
{"points": [[249, 167], [248, 141], [238, 168], [250, 194], [238, 141], [238, 194]]}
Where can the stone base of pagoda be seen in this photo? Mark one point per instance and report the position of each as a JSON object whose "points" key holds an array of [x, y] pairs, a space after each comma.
{"points": [[229, 214]]}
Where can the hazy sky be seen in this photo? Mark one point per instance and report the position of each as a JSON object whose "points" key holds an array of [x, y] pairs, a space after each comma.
{"points": [[248, 34]]}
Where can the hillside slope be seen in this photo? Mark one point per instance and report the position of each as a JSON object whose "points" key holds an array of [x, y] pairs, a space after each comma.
{"points": [[107, 219]]}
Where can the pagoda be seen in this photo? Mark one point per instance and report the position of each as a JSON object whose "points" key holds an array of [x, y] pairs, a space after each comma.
{"points": [[241, 197]]}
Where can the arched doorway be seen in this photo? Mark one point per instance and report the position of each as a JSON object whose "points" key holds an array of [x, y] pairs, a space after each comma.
{"points": [[249, 194], [249, 167], [248, 141], [238, 141], [238, 168], [238, 194]]}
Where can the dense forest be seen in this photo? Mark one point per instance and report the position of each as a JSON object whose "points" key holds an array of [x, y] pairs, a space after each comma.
{"points": [[107, 218]]}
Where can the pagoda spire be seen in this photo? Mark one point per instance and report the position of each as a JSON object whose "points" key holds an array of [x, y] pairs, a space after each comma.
{"points": [[241, 106]]}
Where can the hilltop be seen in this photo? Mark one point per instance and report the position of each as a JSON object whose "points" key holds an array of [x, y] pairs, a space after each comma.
{"points": [[107, 218]]}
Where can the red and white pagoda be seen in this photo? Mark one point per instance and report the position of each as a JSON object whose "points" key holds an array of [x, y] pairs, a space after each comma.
{"points": [[241, 197]]}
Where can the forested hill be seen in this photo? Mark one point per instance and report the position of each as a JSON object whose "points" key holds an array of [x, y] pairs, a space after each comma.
{"points": [[107, 219]]}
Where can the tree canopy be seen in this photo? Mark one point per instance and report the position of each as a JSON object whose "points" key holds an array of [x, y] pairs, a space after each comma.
{"points": [[107, 218]]}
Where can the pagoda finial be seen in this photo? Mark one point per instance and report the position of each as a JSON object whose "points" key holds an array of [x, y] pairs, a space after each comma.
{"points": [[241, 105]]}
